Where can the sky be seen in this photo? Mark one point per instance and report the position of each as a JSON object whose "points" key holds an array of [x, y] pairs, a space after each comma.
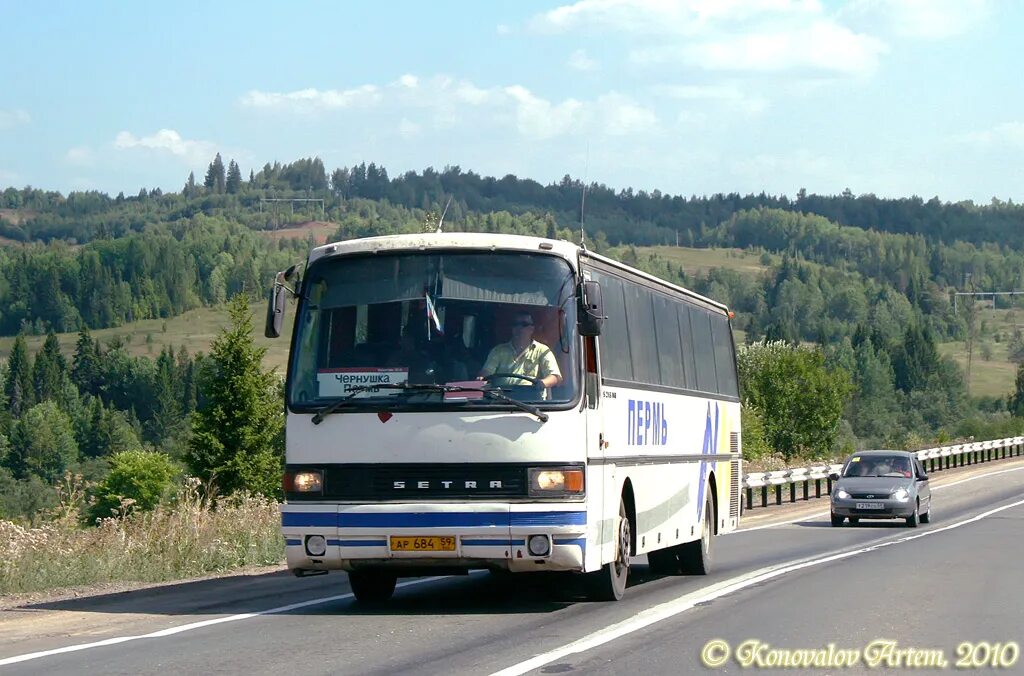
{"points": [[692, 97]]}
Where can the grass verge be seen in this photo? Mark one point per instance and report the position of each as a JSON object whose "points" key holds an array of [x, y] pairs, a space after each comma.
{"points": [[185, 538]]}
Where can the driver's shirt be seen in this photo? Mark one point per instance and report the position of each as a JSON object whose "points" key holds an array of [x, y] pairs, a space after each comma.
{"points": [[536, 361]]}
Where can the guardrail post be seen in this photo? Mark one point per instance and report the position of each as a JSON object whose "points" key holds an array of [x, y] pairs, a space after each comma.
{"points": [[778, 494], [817, 488], [764, 495], [750, 498], [806, 488], [792, 492], [829, 481]]}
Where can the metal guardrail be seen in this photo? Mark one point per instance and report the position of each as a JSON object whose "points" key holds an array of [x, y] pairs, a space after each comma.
{"points": [[933, 459]]}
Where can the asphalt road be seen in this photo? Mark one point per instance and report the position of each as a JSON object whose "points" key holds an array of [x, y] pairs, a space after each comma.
{"points": [[787, 583]]}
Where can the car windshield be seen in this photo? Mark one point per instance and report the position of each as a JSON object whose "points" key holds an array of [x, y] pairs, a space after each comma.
{"points": [[419, 320], [896, 466]]}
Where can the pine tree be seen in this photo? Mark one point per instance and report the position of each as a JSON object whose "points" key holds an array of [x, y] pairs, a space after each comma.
{"points": [[18, 386], [190, 190], [85, 368], [234, 178], [49, 369], [237, 432], [215, 178]]}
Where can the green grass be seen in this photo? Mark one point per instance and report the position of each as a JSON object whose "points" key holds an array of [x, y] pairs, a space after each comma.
{"points": [[696, 261], [195, 330], [994, 376]]}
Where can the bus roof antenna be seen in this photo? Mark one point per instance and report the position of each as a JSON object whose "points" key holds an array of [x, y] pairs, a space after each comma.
{"points": [[441, 222], [583, 200]]}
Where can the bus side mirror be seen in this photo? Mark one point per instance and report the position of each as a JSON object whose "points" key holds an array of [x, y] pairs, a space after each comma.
{"points": [[275, 310], [590, 314], [276, 302]]}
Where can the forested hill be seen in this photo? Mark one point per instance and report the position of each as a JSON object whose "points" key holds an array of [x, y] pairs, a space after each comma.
{"points": [[625, 216], [100, 261]]}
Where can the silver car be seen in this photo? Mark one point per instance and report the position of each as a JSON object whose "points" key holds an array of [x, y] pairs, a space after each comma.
{"points": [[881, 485]]}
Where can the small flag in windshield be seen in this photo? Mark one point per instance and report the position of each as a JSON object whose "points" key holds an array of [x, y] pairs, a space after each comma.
{"points": [[432, 314]]}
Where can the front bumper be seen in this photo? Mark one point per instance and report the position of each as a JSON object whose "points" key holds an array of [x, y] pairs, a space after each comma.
{"points": [[886, 508], [490, 535]]}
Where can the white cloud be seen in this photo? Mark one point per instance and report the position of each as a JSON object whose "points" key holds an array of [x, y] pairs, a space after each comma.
{"points": [[307, 100], [923, 19], [168, 141], [666, 17], [1007, 134], [443, 103], [737, 35], [408, 129], [823, 45], [13, 118], [80, 156], [580, 60], [729, 95]]}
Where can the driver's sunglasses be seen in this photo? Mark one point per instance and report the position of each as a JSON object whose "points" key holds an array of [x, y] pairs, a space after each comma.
{"points": [[521, 324]]}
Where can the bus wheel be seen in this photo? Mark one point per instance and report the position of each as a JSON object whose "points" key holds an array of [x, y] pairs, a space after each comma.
{"points": [[609, 583], [695, 557], [372, 586]]}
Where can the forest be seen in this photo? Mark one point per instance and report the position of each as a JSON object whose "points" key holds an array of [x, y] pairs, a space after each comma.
{"points": [[860, 283]]}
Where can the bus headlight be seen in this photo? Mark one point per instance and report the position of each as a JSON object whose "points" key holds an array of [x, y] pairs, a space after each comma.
{"points": [[553, 482], [305, 481]]}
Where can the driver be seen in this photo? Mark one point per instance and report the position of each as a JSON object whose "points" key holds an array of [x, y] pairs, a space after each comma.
{"points": [[522, 355]]}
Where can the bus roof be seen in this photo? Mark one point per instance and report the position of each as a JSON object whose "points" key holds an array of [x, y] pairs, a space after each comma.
{"points": [[485, 240], [448, 240]]}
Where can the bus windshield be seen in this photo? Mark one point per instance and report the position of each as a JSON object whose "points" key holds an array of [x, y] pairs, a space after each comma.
{"points": [[468, 320]]}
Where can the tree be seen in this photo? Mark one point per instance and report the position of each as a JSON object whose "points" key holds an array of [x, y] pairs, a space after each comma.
{"points": [[44, 441], [215, 178], [800, 399], [85, 365], [144, 478], [18, 387], [237, 432], [1017, 399], [49, 370], [190, 190], [234, 178]]}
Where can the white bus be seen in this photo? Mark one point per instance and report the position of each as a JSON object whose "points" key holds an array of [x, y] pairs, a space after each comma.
{"points": [[401, 461]]}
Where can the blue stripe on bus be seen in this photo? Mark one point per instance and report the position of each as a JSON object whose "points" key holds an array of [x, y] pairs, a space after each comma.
{"points": [[358, 543], [493, 543], [431, 519], [579, 542], [292, 543]]}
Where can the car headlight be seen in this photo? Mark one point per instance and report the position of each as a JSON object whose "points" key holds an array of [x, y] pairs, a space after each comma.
{"points": [[555, 482], [305, 481], [901, 494], [842, 494]]}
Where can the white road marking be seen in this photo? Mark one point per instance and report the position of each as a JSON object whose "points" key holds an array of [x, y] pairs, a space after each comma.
{"points": [[193, 625], [814, 515], [672, 608]]}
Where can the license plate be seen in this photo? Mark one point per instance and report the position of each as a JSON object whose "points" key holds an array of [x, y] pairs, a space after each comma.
{"points": [[427, 543], [870, 505]]}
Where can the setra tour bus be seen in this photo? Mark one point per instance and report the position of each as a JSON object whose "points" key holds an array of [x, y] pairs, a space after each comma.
{"points": [[460, 401]]}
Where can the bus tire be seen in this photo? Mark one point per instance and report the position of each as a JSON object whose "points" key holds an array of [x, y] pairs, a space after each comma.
{"points": [[609, 583], [695, 558], [372, 586]]}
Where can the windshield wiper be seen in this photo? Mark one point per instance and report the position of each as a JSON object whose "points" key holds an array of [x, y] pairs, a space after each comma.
{"points": [[426, 387], [359, 389], [521, 405]]}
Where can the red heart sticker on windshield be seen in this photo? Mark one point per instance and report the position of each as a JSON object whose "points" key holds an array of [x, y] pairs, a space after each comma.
{"points": [[384, 416]]}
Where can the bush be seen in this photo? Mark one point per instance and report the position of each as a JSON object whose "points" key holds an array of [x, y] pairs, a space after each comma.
{"points": [[138, 480], [754, 445], [800, 399]]}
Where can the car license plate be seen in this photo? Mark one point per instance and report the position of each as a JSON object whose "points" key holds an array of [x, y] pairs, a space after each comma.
{"points": [[870, 505], [423, 543]]}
